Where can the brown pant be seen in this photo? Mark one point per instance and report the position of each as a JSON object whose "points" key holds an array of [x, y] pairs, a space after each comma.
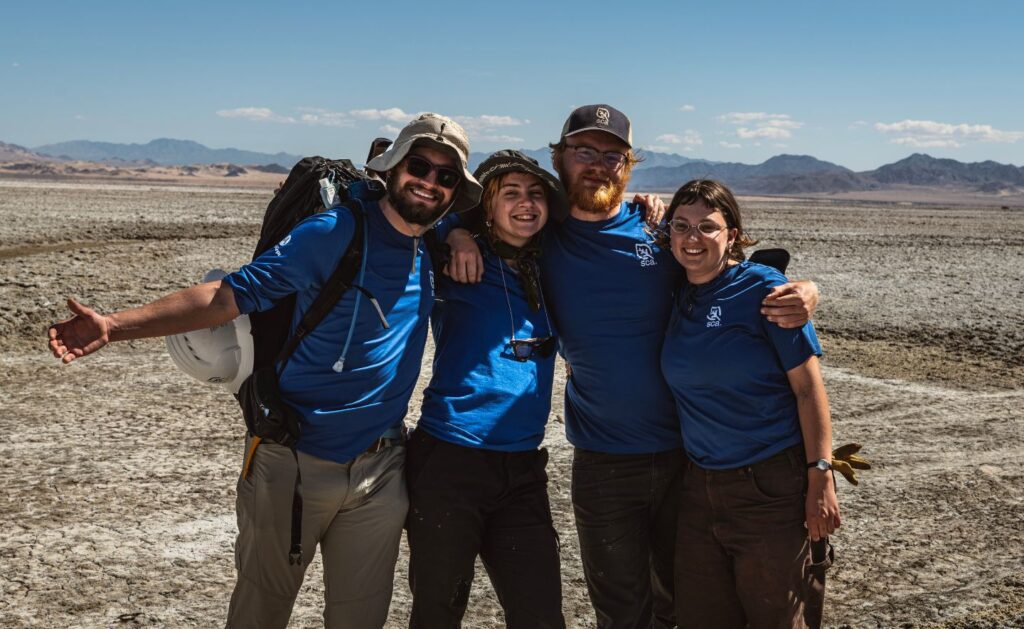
{"points": [[742, 553], [354, 511]]}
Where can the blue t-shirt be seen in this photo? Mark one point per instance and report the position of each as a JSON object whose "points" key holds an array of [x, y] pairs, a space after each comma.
{"points": [[610, 292], [480, 396], [727, 364], [345, 411]]}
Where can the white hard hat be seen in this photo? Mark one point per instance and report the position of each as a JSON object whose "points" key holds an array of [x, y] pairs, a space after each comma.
{"points": [[221, 355]]}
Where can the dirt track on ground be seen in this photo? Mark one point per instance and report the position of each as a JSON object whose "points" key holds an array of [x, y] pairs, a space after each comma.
{"points": [[118, 472]]}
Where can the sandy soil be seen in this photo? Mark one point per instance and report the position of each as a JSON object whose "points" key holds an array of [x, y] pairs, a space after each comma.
{"points": [[118, 472]]}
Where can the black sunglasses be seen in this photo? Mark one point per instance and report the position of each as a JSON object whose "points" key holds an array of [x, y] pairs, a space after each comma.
{"points": [[524, 349], [421, 168]]}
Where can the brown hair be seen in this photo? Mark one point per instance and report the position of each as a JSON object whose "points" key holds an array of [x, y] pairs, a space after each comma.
{"points": [[716, 197]]}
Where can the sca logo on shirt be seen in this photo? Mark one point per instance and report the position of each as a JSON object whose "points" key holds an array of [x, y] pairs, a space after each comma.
{"points": [[645, 254], [283, 243], [715, 317]]}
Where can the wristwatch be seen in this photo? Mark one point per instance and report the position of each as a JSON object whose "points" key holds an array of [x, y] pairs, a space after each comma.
{"points": [[822, 464]]}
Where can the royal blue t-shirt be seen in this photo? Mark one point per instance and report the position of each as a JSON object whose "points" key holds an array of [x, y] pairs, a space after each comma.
{"points": [[480, 396], [727, 364], [343, 412], [610, 292]]}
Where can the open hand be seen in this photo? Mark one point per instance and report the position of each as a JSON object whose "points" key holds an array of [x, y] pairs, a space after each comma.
{"points": [[82, 334]]}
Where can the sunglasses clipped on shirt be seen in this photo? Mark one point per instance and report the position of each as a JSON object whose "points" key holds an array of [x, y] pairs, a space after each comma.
{"points": [[524, 349], [421, 168]]}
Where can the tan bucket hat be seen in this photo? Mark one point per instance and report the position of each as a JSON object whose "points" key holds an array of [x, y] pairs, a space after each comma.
{"points": [[438, 132]]}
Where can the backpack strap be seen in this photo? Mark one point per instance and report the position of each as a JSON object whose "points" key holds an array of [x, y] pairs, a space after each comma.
{"points": [[342, 279]]}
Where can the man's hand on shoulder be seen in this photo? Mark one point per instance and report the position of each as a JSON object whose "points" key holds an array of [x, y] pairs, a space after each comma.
{"points": [[654, 209], [792, 304], [466, 265]]}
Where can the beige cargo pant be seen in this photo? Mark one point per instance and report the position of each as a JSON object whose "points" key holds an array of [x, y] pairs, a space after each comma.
{"points": [[354, 511]]}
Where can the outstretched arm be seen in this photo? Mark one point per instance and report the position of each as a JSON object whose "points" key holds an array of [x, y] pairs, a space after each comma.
{"points": [[202, 306], [822, 506], [792, 304]]}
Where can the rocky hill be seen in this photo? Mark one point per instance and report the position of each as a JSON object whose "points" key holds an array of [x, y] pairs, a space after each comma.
{"points": [[15, 153]]}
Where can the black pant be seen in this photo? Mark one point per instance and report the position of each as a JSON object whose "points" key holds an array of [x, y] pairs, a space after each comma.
{"points": [[465, 502], [626, 507], [743, 557]]}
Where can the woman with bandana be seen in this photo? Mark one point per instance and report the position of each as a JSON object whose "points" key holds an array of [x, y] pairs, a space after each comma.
{"points": [[475, 470]]}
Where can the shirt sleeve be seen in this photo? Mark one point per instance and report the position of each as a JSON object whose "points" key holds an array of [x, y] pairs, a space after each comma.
{"points": [[304, 259], [793, 346]]}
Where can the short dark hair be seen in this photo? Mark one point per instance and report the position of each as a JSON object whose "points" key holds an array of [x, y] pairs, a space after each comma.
{"points": [[716, 196]]}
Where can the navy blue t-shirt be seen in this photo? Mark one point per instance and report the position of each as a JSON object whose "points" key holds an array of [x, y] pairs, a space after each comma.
{"points": [[610, 292], [480, 396], [727, 364], [343, 412]]}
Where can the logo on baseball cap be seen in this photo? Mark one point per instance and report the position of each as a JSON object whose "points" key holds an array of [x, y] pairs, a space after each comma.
{"points": [[599, 118]]}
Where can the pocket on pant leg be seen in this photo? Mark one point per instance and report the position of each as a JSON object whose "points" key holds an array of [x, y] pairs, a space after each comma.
{"points": [[777, 482], [419, 450]]}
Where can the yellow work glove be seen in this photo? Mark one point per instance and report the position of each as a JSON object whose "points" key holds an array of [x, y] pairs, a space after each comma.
{"points": [[845, 461]]}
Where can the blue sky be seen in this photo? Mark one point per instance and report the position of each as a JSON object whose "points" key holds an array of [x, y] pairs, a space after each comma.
{"points": [[860, 84]]}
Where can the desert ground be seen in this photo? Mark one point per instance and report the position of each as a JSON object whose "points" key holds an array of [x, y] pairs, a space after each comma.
{"points": [[118, 471]]}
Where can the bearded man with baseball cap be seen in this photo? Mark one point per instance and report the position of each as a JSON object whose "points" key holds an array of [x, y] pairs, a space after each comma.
{"points": [[350, 450], [610, 288]]}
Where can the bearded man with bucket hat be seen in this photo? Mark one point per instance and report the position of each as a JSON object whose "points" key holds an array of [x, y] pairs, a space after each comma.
{"points": [[610, 288], [350, 451]]}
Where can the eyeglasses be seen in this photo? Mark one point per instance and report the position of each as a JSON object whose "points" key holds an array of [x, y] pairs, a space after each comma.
{"points": [[612, 160], [524, 349], [707, 228], [421, 168]]}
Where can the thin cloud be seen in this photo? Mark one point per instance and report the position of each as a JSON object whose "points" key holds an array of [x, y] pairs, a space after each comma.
{"points": [[392, 114], [925, 143], [325, 118], [774, 133], [390, 128], [488, 121], [730, 145], [759, 124], [687, 108], [745, 117], [257, 114], [504, 139], [15, 65], [689, 138], [79, 117], [929, 133]]}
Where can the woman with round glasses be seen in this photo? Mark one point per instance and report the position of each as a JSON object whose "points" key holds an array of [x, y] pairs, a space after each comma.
{"points": [[758, 486], [475, 470]]}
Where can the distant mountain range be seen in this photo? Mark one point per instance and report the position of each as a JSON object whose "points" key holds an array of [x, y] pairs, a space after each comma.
{"points": [[802, 174], [651, 159], [658, 172], [163, 151]]}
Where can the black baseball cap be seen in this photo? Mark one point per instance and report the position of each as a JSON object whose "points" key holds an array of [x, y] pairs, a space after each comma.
{"points": [[599, 118]]}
